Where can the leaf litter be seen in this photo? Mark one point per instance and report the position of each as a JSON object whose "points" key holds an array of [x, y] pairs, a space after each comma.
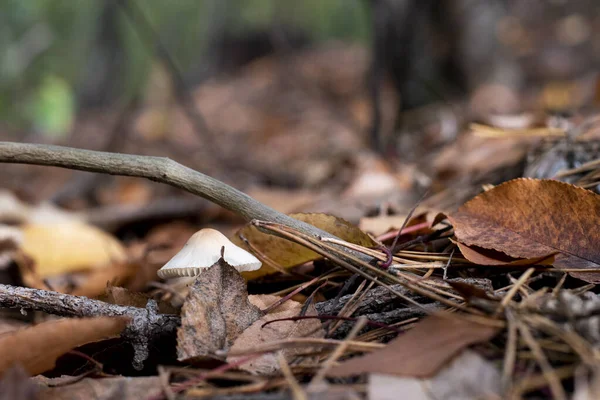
{"points": [[498, 298]]}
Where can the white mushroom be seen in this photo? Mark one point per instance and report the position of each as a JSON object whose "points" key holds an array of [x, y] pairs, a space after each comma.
{"points": [[202, 251]]}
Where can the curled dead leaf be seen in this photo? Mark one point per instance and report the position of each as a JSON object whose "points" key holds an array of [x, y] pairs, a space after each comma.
{"points": [[532, 218], [214, 313]]}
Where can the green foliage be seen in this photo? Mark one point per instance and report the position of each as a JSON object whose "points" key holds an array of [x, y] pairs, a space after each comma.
{"points": [[49, 46], [53, 107]]}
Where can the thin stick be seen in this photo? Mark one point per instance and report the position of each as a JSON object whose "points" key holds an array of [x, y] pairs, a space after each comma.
{"points": [[158, 169]]}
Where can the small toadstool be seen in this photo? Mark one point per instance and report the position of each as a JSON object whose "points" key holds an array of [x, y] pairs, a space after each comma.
{"points": [[202, 251]]}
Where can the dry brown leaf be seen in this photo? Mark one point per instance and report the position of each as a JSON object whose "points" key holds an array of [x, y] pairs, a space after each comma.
{"points": [[420, 352], [289, 254], [60, 248], [529, 218], [38, 347], [216, 311], [256, 335]]}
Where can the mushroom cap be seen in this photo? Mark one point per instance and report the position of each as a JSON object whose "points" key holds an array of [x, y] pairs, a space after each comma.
{"points": [[202, 251]]}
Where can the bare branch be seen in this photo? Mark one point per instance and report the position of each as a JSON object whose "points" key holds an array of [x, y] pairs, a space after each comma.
{"points": [[159, 169]]}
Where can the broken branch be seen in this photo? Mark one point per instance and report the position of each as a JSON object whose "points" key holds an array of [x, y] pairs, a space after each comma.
{"points": [[158, 169]]}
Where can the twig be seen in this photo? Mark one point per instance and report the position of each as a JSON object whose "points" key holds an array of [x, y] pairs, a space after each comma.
{"points": [[146, 325], [158, 169]]}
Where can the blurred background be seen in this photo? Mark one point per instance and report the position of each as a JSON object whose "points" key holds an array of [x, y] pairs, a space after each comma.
{"points": [[355, 107]]}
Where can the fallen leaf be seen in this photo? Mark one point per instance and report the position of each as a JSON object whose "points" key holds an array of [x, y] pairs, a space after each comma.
{"points": [[288, 254], [37, 348], [420, 352], [60, 248], [256, 334], [468, 376], [529, 218], [215, 312]]}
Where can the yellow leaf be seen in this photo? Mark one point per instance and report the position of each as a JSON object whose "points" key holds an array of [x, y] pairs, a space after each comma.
{"points": [[69, 246], [288, 254]]}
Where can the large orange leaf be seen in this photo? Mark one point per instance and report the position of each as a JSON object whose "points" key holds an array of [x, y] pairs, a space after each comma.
{"points": [[530, 218]]}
